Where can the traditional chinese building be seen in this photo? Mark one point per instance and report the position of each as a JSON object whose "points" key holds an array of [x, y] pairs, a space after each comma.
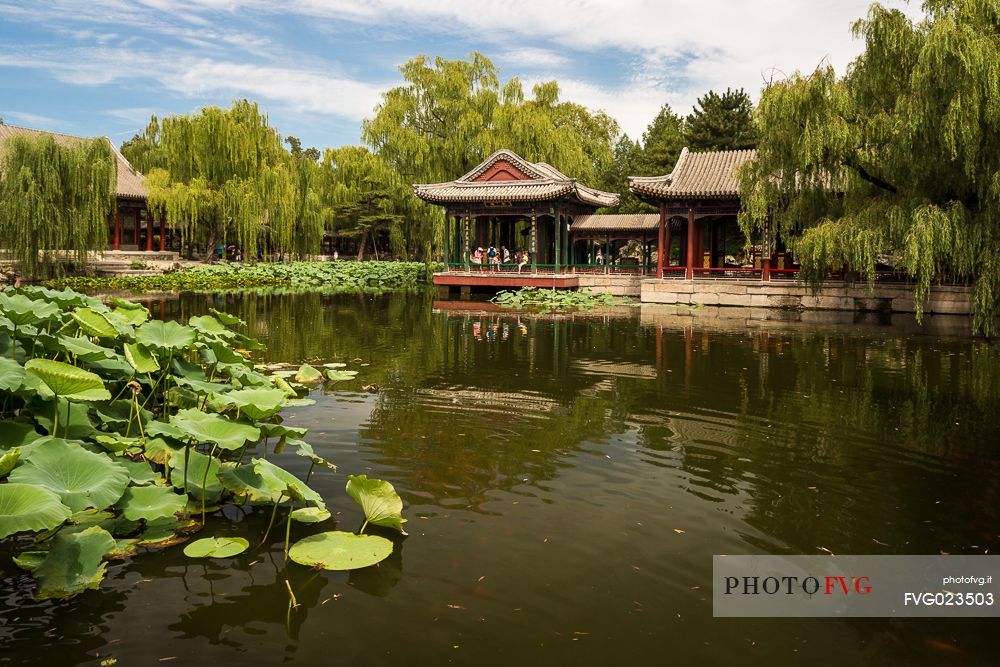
{"points": [[509, 202], [131, 226]]}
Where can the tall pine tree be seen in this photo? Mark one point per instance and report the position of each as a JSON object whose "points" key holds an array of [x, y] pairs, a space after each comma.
{"points": [[721, 122]]}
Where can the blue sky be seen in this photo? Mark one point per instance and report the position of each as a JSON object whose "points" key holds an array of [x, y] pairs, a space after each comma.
{"points": [[318, 67]]}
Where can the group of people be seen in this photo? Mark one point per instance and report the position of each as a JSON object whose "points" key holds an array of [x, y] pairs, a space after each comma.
{"points": [[495, 259]]}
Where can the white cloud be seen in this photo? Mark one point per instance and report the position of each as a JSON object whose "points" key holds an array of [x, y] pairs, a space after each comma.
{"points": [[533, 58], [33, 120]]}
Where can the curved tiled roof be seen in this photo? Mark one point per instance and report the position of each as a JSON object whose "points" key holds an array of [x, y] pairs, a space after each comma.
{"points": [[545, 183], [130, 183], [708, 175], [616, 222]]}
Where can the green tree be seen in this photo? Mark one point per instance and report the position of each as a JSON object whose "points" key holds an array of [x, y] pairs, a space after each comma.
{"points": [[721, 122], [626, 160], [55, 197], [223, 173], [661, 144], [896, 162], [366, 196], [451, 114]]}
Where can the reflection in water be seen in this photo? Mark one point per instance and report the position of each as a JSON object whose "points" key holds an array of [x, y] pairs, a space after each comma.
{"points": [[567, 480]]}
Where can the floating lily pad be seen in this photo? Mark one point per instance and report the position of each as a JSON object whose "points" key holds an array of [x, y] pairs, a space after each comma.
{"points": [[337, 550], [214, 428], [216, 547], [255, 403], [340, 376], [29, 507], [379, 500], [307, 373]]}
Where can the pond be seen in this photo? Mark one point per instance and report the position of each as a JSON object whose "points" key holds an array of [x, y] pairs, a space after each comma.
{"points": [[567, 480]]}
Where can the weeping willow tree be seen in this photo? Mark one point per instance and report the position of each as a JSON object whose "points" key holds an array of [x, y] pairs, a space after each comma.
{"points": [[224, 174], [451, 114], [897, 162], [366, 196], [54, 197]]}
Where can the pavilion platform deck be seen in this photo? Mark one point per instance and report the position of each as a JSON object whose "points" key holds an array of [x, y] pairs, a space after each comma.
{"points": [[498, 279]]}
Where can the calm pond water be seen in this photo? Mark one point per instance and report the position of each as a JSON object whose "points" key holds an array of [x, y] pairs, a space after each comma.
{"points": [[567, 481]]}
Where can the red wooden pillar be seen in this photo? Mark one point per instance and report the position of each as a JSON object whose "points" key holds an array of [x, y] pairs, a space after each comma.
{"points": [[138, 213], [765, 260], [689, 273], [149, 230], [118, 228], [661, 243], [666, 247], [163, 230]]}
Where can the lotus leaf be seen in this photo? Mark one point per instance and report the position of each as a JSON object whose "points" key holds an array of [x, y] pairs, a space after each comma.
{"points": [[204, 388], [226, 318], [281, 431], [166, 531], [90, 517], [128, 314], [116, 369], [226, 355], [93, 323], [310, 515], [9, 460], [210, 325], [258, 489], [340, 376], [17, 434], [214, 428], [79, 424], [29, 560], [185, 368], [255, 403], [337, 550], [150, 502], [281, 384], [140, 472], [307, 373], [85, 349], [303, 448], [74, 564], [161, 450], [216, 547], [201, 469], [29, 507], [80, 478], [70, 382], [115, 442], [165, 335], [11, 374], [21, 310], [140, 358], [293, 487], [380, 502], [334, 365]]}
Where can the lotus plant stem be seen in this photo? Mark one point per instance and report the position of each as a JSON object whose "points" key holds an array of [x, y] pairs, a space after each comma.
{"points": [[270, 523], [309, 474], [187, 455], [288, 533], [363, 526], [66, 427], [138, 417], [55, 418], [291, 594], [204, 482]]}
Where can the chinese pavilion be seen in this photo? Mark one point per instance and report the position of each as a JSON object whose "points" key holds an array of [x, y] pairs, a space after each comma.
{"points": [[508, 201]]}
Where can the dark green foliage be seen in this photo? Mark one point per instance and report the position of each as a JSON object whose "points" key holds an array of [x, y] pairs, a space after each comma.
{"points": [[721, 122], [661, 144]]}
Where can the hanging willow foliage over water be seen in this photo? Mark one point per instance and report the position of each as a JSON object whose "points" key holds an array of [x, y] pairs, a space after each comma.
{"points": [[224, 174], [54, 197], [898, 162]]}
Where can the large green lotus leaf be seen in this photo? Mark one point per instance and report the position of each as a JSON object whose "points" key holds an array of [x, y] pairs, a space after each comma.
{"points": [[115, 442], [119, 413], [202, 475], [202, 387], [116, 369], [281, 431], [307, 373], [255, 403], [150, 502], [130, 315], [210, 325], [140, 358], [29, 507], [226, 318], [85, 349], [165, 335], [90, 517], [75, 563], [93, 323], [166, 531], [184, 368], [214, 428], [64, 298], [380, 502], [224, 354], [80, 478], [246, 482], [310, 515], [283, 385], [247, 377], [303, 448], [294, 487], [216, 547], [337, 550], [9, 460], [68, 381], [29, 560], [11, 374], [21, 310]]}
